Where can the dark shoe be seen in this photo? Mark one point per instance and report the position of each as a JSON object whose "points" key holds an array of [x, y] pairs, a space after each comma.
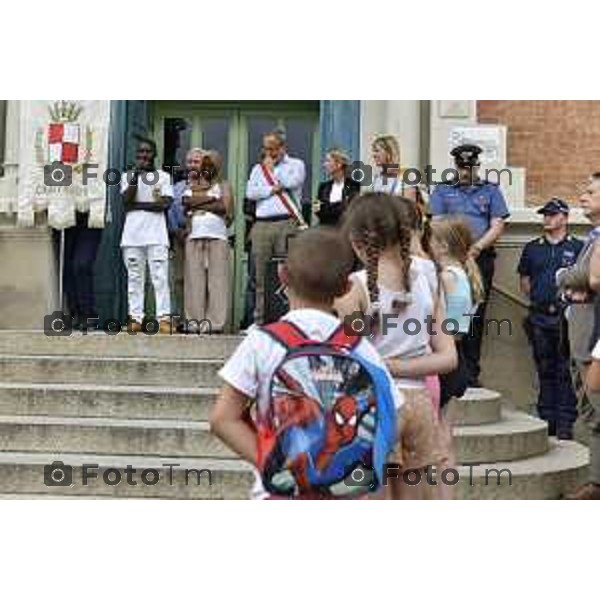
{"points": [[589, 491], [552, 428], [565, 435]]}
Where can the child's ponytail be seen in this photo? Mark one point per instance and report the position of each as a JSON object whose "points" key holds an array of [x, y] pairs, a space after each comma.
{"points": [[474, 276]]}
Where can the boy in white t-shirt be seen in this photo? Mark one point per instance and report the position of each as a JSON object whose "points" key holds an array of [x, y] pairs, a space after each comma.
{"points": [[146, 193], [312, 287]]}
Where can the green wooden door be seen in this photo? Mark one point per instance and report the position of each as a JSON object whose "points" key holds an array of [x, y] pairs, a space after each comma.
{"points": [[235, 130]]}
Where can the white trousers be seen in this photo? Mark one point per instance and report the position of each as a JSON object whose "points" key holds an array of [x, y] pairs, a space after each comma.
{"points": [[157, 258]]}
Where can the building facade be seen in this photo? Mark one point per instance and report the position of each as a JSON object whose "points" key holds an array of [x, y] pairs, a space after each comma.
{"points": [[528, 138]]}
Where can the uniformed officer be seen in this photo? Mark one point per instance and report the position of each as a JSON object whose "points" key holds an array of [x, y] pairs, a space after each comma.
{"points": [[540, 260], [482, 205]]}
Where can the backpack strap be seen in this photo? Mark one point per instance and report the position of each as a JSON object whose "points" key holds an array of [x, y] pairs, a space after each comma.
{"points": [[287, 334], [340, 338]]}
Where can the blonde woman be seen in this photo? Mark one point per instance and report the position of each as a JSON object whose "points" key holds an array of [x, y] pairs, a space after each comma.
{"points": [[385, 152], [335, 194]]}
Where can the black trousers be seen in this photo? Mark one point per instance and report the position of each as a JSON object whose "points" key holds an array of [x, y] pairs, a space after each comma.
{"points": [[81, 248], [472, 342], [557, 402]]}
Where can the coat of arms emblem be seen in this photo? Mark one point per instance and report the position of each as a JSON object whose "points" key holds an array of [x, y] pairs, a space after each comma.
{"points": [[64, 139]]}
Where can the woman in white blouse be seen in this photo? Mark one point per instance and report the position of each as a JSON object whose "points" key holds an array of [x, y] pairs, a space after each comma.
{"points": [[208, 203]]}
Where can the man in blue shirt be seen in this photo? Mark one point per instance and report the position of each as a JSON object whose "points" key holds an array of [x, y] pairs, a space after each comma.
{"points": [[275, 186], [482, 205], [540, 260]]}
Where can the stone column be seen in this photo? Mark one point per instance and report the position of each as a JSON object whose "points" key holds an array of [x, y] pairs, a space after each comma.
{"points": [[28, 277], [400, 118]]}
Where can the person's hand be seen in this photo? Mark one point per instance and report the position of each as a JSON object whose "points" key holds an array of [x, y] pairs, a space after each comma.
{"points": [[474, 251], [577, 296], [277, 188], [316, 206]]}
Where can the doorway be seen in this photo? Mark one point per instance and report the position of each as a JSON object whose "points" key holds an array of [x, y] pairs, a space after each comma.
{"points": [[235, 130]]}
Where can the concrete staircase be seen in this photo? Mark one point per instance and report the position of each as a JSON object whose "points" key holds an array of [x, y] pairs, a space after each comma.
{"points": [[114, 401], [507, 454]]}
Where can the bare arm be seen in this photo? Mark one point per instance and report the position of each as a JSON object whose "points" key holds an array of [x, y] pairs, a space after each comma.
{"points": [[525, 284], [489, 238], [354, 300], [228, 201], [442, 359], [229, 422], [595, 268], [130, 193], [592, 376]]}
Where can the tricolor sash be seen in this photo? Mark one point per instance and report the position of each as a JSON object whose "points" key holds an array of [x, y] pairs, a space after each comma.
{"points": [[286, 199]]}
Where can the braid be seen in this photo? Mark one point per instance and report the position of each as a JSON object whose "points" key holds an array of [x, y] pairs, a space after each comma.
{"points": [[405, 247], [372, 251], [377, 221]]}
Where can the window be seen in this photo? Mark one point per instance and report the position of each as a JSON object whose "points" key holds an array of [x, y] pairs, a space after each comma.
{"points": [[3, 105]]}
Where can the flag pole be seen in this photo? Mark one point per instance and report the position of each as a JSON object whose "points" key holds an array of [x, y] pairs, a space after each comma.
{"points": [[61, 269]]}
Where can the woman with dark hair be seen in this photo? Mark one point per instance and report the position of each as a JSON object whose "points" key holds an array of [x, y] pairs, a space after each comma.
{"points": [[335, 194]]}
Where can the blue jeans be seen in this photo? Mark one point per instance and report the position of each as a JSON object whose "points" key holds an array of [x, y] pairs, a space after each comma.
{"points": [[557, 402]]}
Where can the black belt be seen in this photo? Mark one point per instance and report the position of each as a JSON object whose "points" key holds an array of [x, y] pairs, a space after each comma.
{"points": [[273, 219]]}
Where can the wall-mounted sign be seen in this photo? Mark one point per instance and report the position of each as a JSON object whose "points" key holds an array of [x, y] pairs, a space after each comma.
{"points": [[454, 109], [491, 138]]}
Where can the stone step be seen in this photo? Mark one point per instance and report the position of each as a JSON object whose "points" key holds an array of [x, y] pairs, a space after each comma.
{"points": [[22, 474], [99, 435], [100, 370], [120, 345], [549, 476], [477, 407], [516, 436], [126, 402]]}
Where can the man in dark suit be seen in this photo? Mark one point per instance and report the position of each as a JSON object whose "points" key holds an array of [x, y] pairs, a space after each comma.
{"points": [[335, 193]]}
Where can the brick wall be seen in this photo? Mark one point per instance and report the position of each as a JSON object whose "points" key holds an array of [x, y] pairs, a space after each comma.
{"points": [[557, 141]]}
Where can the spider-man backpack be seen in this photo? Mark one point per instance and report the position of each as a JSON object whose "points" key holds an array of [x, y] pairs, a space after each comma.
{"points": [[330, 422]]}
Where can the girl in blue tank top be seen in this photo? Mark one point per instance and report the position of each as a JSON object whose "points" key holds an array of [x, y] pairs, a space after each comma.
{"points": [[449, 244]]}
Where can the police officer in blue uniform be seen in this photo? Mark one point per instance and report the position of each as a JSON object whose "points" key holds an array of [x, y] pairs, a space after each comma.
{"points": [[539, 262], [482, 205]]}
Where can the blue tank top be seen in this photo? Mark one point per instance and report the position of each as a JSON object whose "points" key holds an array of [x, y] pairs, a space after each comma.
{"points": [[459, 302]]}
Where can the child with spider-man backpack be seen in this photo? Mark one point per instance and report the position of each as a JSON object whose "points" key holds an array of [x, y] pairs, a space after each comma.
{"points": [[396, 294], [312, 407]]}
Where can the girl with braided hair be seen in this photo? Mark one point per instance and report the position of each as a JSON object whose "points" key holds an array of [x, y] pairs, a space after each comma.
{"points": [[406, 315]]}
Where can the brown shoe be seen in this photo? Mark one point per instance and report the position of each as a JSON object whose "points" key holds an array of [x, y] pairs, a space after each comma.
{"points": [[164, 327], [589, 491], [136, 327]]}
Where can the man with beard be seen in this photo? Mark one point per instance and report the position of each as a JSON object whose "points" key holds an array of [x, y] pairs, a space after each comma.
{"points": [[483, 206]]}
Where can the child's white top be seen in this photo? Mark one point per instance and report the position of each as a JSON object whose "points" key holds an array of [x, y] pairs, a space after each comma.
{"points": [[251, 367], [144, 228], [405, 333]]}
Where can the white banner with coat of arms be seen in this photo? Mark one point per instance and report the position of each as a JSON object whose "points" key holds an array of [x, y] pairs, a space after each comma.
{"points": [[63, 156]]}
